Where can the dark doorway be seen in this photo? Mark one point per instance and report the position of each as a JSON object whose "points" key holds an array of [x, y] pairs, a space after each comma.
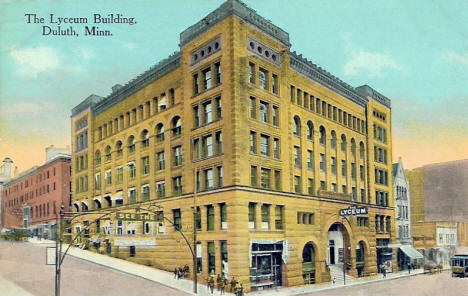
{"points": [[332, 251]]}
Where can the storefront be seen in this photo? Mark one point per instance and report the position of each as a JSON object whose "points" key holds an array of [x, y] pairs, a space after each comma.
{"points": [[408, 256], [384, 256], [266, 264]]}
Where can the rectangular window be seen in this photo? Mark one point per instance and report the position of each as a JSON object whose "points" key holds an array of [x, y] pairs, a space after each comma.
{"points": [[108, 177], [208, 112], [251, 73], [264, 145], [265, 178], [263, 79], [343, 168], [145, 163], [276, 148], [220, 176], [252, 215], [218, 73], [209, 182], [161, 160], [198, 225], [253, 142], [132, 195], [223, 218], [208, 146], [196, 88], [323, 185], [177, 218], [275, 84], [277, 180], [361, 172], [161, 188], [253, 176], [279, 217], [145, 193], [310, 160], [120, 175], [297, 184], [207, 78], [353, 171], [211, 258], [196, 116], [177, 155], [275, 116], [333, 165], [310, 186], [209, 218], [219, 142], [265, 217], [323, 166], [264, 116], [297, 157], [219, 108], [177, 185], [252, 107], [97, 181]]}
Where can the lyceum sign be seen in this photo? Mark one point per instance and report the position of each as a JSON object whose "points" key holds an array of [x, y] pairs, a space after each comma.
{"points": [[353, 211]]}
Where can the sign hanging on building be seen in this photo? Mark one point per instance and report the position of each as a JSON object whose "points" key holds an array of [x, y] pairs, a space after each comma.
{"points": [[137, 217], [353, 211]]}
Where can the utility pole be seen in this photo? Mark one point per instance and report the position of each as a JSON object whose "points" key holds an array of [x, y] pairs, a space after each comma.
{"points": [[57, 293], [195, 190]]}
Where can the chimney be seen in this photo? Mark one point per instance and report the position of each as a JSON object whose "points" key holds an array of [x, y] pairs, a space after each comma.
{"points": [[16, 173]]}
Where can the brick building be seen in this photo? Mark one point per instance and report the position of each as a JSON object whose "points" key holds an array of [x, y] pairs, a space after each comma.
{"points": [[251, 145], [33, 198]]}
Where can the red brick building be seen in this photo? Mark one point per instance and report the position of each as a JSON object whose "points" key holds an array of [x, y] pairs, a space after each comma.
{"points": [[33, 199]]}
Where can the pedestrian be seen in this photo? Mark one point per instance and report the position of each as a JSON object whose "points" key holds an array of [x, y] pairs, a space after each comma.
{"points": [[211, 284], [218, 282], [221, 286], [409, 268], [241, 291], [175, 272], [237, 289], [384, 271], [233, 284]]}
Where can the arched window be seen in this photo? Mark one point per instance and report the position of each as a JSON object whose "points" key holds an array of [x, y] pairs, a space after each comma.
{"points": [[145, 138], [160, 132], [361, 149], [97, 157], [297, 126], [77, 207], [118, 148], [108, 153], [308, 264], [353, 147], [97, 204], [176, 126], [131, 144], [323, 136], [343, 143], [84, 206], [310, 131], [360, 252], [333, 140]]}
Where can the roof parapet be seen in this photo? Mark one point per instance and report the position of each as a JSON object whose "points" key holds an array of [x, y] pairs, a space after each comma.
{"points": [[367, 91]]}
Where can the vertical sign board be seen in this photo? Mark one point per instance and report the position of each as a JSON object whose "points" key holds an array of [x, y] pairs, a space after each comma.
{"points": [[50, 255]]}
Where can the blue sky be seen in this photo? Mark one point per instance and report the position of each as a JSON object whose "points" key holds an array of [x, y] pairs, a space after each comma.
{"points": [[414, 52]]}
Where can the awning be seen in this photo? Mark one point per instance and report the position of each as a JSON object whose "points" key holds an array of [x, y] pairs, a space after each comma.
{"points": [[411, 252], [118, 195]]}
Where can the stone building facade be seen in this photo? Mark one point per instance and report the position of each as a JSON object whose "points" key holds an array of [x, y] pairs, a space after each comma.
{"points": [[32, 199], [250, 144], [5, 176]]}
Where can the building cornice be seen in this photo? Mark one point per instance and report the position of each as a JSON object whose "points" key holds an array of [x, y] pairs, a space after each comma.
{"points": [[239, 9], [321, 76], [367, 91]]}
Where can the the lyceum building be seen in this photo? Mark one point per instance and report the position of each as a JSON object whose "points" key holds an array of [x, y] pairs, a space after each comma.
{"points": [[274, 146]]}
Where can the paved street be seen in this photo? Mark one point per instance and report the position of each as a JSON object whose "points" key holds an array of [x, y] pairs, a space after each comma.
{"points": [[421, 285], [23, 265]]}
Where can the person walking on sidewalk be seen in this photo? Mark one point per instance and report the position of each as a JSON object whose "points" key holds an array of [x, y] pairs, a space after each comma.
{"points": [[175, 272], [384, 270], [409, 268]]}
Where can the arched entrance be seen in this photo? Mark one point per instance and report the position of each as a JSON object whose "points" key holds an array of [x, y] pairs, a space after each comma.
{"points": [[338, 244], [308, 263]]}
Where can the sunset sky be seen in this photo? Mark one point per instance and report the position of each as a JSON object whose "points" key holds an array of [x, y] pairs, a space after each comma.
{"points": [[414, 52]]}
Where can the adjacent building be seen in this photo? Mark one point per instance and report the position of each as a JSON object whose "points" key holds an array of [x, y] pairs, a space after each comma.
{"points": [[251, 145], [438, 210], [406, 255], [5, 176], [32, 200]]}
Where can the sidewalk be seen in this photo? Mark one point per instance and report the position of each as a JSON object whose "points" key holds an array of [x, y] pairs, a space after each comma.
{"points": [[8, 288], [167, 278]]}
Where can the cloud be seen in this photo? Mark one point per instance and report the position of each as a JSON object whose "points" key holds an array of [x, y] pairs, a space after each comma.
{"points": [[372, 64], [35, 61], [457, 58], [130, 46]]}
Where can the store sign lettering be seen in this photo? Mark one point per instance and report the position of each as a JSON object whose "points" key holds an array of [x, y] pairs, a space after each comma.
{"points": [[353, 211], [136, 217]]}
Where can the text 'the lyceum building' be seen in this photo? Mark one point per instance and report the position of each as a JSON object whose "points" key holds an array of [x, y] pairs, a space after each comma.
{"points": [[250, 144]]}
